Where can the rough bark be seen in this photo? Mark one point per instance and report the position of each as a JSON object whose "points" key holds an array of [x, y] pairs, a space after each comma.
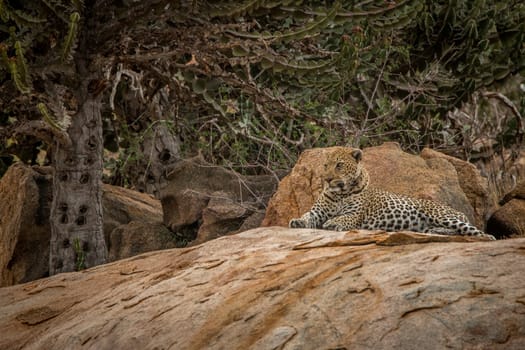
{"points": [[161, 150], [77, 237]]}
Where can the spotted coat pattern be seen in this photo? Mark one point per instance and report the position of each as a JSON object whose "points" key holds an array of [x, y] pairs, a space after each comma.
{"points": [[347, 202]]}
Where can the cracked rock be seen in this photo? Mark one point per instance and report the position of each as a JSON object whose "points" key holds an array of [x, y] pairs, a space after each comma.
{"points": [[279, 288]]}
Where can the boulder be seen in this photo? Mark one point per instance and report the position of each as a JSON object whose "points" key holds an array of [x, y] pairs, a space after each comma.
{"points": [[137, 237], [279, 288], [474, 186], [124, 212], [203, 201], [390, 169], [221, 216], [25, 232], [122, 205], [509, 220], [24, 224]]}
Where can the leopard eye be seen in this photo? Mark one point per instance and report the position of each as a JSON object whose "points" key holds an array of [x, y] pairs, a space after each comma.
{"points": [[339, 166]]}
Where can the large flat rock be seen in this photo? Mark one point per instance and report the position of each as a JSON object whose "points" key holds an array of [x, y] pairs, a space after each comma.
{"points": [[278, 288]]}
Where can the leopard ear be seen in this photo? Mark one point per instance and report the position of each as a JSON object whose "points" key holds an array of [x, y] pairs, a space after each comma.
{"points": [[357, 154]]}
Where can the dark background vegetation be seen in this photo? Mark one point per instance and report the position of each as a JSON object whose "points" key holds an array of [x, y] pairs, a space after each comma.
{"points": [[250, 84]]}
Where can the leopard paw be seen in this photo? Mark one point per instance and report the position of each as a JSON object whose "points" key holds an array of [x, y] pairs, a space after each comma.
{"points": [[487, 236], [332, 225], [297, 223]]}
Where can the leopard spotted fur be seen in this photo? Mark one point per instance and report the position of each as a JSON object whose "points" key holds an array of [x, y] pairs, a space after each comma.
{"points": [[348, 202]]}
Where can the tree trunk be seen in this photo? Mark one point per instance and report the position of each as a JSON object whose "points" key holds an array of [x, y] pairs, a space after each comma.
{"points": [[77, 237], [161, 150]]}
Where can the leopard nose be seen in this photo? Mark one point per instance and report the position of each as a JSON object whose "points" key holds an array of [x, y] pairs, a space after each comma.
{"points": [[336, 183]]}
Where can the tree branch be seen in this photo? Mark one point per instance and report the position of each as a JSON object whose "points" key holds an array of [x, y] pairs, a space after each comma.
{"points": [[44, 132]]}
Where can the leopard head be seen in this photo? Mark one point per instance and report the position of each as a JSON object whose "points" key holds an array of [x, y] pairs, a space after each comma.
{"points": [[344, 173]]}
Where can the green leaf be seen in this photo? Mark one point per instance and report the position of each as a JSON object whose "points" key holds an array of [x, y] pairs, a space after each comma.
{"points": [[267, 62], [22, 64], [239, 51], [19, 81], [50, 119], [70, 41], [188, 75], [212, 85], [199, 86]]}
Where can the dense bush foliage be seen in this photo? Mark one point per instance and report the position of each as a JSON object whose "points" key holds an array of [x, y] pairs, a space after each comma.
{"points": [[250, 84], [37, 43]]}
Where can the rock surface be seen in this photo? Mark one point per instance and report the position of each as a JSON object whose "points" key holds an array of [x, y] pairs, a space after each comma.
{"points": [[277, 288], [122, 206], [432, 177], [25, 232], [509, 220], [475, 186], [210, 201], [137, 237], [24, 224], [133, 223]]}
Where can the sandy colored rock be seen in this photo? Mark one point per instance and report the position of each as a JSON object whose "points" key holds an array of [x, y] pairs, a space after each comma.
{"points": [[472, 183], [277, 288], [394, 170], [122, 206], [138, 237], [390, 169], [133, 223], [24, 224], [221, 216], [298, 190]]}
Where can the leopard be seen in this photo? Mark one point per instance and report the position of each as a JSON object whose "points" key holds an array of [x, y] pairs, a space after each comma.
{"points": [[348, 202]]}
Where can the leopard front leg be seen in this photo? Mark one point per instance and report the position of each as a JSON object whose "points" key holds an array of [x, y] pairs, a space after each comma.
{"points": [[310, 219], [322, 210], [343, 223], [302, 222]]}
